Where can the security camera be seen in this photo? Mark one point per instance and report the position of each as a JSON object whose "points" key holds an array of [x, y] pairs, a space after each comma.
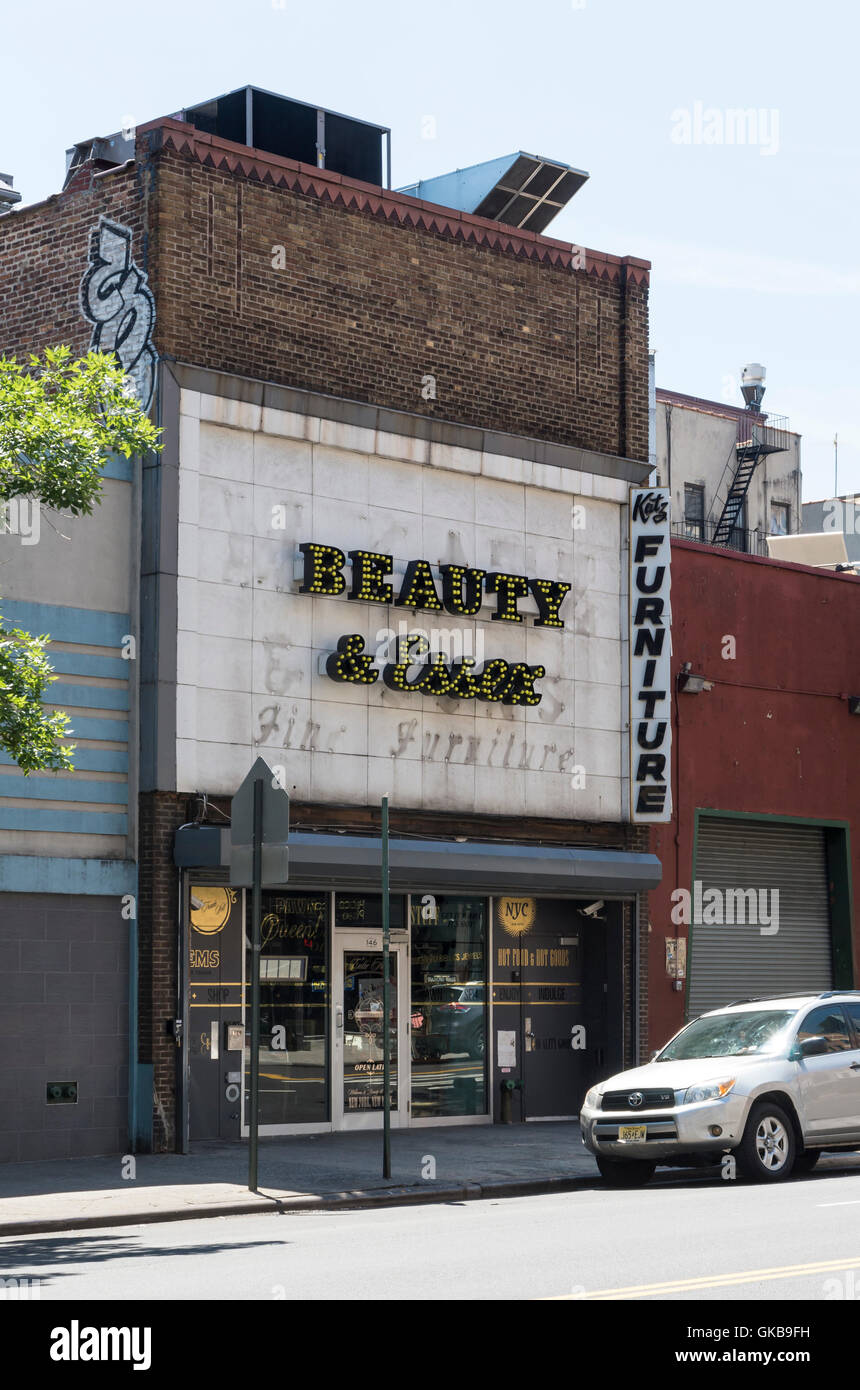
{"points": [[593, 911]]}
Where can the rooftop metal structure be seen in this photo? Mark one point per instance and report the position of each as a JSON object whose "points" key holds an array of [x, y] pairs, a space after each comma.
{"points": [[297, 130], [757, 436], [9, 196], [274, 124], [522, 190]]}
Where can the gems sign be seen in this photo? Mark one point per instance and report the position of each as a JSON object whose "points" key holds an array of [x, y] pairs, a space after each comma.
{"points": [[650, 656], [459, 591]]}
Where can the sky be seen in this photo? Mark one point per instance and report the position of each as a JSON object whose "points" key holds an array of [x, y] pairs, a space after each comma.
{"points": [[751, 224]]}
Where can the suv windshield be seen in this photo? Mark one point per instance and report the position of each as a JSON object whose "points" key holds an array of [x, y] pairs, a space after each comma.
{"points": [[729, 1035]]}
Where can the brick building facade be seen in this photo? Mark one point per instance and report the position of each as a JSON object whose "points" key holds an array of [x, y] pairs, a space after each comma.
{"points": [[378, 290], [306, 321]]}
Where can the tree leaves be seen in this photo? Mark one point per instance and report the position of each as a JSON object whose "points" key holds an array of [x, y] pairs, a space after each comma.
{"points": [[60, 419], [27, 732]]}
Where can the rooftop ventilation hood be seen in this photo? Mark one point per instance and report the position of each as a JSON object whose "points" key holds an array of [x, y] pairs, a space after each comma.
{"points": [[521, 190]]}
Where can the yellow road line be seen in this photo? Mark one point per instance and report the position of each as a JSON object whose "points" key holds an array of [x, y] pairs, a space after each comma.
{"points": [[715, 1281]]}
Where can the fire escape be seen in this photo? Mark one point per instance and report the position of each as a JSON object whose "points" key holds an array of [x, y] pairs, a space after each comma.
{"points": [[757, 436]]}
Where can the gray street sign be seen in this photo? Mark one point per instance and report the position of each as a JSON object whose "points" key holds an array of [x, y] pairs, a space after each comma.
{"points": [[276, 831]]}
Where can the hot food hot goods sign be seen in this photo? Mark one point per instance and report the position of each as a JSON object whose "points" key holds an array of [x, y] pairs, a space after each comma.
{"points": [[650, 656], [453, 589]]}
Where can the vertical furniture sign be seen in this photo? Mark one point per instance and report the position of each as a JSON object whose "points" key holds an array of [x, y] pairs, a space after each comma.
{"points": [[650, 656]]}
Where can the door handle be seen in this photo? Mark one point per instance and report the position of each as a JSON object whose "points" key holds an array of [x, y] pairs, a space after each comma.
{"points": [[855, 1066]]}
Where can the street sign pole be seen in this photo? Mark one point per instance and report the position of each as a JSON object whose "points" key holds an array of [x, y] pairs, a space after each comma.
{"points": [[256, 908], [386, 1001], [259, 858]]}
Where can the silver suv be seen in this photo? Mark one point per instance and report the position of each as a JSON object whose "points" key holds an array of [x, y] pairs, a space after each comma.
{"points": [[774, 1082]]}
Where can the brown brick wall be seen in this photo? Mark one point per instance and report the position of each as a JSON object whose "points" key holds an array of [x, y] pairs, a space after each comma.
{"points": [[44, 252], [364, 309]]}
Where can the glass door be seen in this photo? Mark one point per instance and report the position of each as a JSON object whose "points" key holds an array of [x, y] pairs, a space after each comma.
{"points": [[358, 1054]]}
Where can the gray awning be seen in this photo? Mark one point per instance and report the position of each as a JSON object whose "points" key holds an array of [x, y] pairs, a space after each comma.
{"points": [[353, 861]]}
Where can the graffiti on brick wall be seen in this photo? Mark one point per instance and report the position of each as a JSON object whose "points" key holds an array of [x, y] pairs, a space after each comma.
{"points": [[118, 302]]}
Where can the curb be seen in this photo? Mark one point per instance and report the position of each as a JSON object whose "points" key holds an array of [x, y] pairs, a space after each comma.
{"points": [[358, 1200]]}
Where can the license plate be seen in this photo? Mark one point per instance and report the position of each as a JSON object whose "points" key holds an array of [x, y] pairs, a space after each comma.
{"points": [[632, 1134]]}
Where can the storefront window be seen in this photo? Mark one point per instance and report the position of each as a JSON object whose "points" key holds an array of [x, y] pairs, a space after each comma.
{"points": [[294, 1009], [448, 1012]]}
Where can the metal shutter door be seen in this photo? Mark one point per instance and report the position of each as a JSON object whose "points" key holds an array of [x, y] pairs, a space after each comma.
{"points": [[729, 961]]}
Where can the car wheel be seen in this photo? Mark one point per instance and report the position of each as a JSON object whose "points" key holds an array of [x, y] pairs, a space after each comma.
{"points": [[768, 1149], [476, 1048], [806, 1161], [621, 1172]]}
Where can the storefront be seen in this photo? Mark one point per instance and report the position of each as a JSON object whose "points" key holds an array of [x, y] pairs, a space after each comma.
{"points": [[373, 612], [504, 1006], [389, 559]]}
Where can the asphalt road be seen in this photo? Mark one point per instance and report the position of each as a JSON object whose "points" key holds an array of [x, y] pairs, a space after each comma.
{"points": [[678, 1238]]}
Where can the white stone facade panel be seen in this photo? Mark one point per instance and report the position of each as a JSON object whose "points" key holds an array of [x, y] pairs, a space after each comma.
{"points": [[255, 484]]}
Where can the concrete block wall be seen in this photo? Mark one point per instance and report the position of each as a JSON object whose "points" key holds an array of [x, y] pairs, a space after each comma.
{"points": [[63, 1017]]}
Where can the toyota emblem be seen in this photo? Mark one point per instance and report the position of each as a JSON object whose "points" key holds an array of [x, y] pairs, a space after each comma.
{"points": [[635, 1099]]}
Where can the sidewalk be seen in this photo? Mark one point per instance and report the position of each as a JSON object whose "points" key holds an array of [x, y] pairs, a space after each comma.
{"points": [[309, 1172]]}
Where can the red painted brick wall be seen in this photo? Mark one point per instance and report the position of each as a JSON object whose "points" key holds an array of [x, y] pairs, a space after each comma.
{"points": [[774, 736]]}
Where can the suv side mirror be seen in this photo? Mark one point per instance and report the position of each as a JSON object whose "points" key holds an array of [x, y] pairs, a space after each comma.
{"points": [[810, 1047]]}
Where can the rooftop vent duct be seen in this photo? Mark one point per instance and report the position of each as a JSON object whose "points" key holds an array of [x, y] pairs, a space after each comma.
{"points": [[296, 130], [521, 190], [8, 196], [106, 153], [752, 385]]}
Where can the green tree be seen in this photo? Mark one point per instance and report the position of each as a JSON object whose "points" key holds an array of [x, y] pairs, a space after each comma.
{"points": [[60, 419]]}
